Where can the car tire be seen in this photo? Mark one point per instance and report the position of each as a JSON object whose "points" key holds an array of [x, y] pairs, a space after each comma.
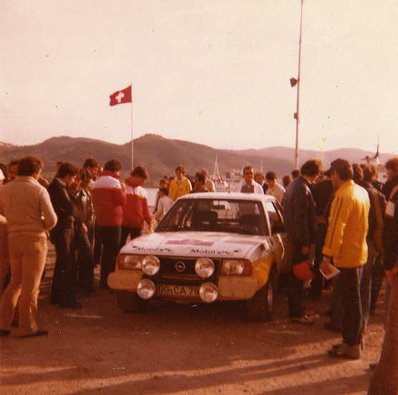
{"points": [[129, 302], [261, 306]]}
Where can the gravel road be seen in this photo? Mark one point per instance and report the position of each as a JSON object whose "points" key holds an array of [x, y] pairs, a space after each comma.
{"points": [[180, 349]]}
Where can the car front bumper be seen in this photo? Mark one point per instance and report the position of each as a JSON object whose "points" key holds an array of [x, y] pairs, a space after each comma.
{"points": [[229, 287]]}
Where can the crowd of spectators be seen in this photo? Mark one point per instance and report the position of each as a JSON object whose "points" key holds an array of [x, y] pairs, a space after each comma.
{"points": [[343, 218]]}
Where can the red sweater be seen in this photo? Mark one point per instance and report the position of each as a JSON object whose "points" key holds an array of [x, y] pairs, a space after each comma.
{"points": [[108, 200], [136, 211]]}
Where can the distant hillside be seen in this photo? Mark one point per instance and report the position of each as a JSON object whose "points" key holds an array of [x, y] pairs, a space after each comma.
{"points": [[161, 155], [352, 154]]}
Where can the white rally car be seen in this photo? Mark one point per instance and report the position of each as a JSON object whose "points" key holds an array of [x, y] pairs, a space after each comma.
{"points": [[209, 247]]}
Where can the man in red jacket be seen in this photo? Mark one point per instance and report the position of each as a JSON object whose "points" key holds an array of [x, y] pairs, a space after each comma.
{"points": [[135, 211], [109, 199]]}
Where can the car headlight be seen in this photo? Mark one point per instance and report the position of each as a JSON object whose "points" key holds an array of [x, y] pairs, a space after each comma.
{"points": [[150, 265], [208, 292], [236, 267], [129, 262], [204, 267], [146, 289]]}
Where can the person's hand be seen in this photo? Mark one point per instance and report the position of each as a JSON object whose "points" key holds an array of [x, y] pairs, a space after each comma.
{"points": [[84, 227], [390, 274]]}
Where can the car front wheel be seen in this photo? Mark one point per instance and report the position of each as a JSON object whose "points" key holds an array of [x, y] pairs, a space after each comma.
{"points": [[129, 302], [261, 306]]}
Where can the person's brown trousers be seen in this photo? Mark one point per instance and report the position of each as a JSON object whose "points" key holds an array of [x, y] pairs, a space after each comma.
{"points": [[28, 255]]}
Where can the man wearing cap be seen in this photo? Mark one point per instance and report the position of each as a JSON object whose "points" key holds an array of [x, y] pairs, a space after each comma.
{"points": [[345, 246], [299, 214]]}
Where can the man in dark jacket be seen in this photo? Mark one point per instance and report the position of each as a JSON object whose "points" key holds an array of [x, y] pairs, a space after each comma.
{"points": [[84, 229], [63, 290], [299, 212], [323, 193], [385, 377], [373, 239]]}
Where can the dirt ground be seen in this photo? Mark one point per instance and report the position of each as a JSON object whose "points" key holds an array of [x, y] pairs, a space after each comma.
{"points": [[180, 349]]}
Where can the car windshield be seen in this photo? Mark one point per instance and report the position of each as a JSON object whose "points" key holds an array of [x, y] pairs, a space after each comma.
{"points": [[216, 215]]}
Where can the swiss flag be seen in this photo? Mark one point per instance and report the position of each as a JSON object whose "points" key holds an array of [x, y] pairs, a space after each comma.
{"points": [[120, 97]]}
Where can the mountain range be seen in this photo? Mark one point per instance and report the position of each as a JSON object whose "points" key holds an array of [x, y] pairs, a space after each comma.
{"points": [[161, 155]]}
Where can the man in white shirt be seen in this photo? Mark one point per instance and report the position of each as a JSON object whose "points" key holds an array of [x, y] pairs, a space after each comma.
{"points": [[30, 214], [248, 184], [209, 183], [274, 188]]}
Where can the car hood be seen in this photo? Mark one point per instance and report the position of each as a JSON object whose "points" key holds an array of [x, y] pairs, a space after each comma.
{"points": [[215, 245]]}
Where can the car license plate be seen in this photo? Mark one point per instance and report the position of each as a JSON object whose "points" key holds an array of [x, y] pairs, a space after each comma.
{"points": [[180, 291]]}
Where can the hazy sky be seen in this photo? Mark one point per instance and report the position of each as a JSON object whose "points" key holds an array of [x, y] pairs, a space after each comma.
{"points": [[214, 72]]}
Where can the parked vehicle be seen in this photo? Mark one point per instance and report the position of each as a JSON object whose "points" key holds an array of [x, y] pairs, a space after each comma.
{"points": [[209, 247]]}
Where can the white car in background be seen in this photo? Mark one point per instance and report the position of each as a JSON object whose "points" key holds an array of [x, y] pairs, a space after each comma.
{"points": [[209, 247]]}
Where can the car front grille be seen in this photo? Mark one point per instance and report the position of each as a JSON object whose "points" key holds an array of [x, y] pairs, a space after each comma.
{"points": [[182, 271]]}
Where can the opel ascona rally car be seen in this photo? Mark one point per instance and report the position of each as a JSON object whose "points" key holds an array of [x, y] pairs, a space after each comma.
{"points": [[209, 247]]}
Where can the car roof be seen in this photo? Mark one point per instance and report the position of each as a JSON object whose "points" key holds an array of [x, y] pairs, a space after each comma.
{"points": [[228, 196]]}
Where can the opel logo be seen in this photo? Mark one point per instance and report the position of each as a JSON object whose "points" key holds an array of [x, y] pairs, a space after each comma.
{"points": [[179, 266]]}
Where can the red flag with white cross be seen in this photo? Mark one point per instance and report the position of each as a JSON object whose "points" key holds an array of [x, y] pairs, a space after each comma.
{"points": [[120, 97]]}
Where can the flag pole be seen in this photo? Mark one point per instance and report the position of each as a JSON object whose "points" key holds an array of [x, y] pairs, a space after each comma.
{"points": [[297, 113], [132, 134]]}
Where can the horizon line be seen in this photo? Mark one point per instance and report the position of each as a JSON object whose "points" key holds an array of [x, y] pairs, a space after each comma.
{"points": [[189, 141]]}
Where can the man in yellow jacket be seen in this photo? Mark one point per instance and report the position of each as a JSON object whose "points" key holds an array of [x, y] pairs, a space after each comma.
{"points": [[345, 246], [180, 186]]}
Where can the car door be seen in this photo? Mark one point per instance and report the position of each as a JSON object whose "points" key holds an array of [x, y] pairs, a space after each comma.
{"points": [[280, 248]]}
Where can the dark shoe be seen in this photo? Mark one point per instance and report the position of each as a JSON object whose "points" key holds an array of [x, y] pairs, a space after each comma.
{"points": [[304, 320], [372, 365], [346, 351], [334, 346], [39, 332], [75, 305], [330, 327], [5, 332]]}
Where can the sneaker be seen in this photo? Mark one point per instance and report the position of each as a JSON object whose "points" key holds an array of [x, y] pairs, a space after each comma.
{"points": [[304, 320]]}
